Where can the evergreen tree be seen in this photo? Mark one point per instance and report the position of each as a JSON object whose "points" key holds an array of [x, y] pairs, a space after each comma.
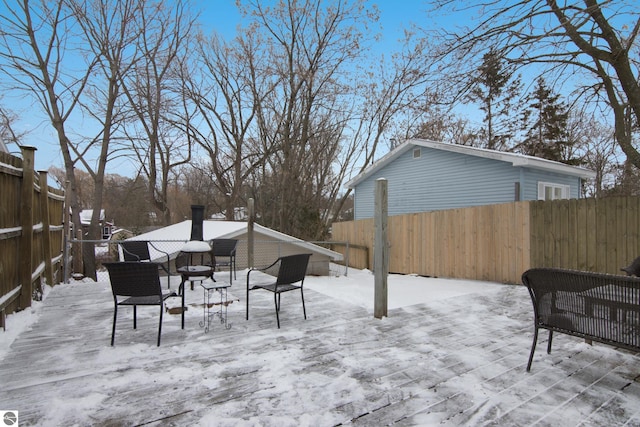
{"points": [[495, 90], [544, 124]]}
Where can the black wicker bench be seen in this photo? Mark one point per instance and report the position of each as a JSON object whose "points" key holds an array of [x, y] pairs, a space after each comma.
{"points": [[597, 307]]}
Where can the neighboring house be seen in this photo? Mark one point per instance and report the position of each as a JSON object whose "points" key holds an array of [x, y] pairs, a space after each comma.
{"points": [[268, 244], [427, 176], [85, 220], [121, 234], [239, 214]]}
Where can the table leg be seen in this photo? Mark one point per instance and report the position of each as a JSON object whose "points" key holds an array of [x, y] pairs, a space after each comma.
{"points": [[205, 299], [206, 315], [224, 302], [183, 292]]}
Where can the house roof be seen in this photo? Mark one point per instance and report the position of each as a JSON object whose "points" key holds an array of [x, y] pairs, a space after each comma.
{"points": [[229, 230], [86, 214], [517, 160]]}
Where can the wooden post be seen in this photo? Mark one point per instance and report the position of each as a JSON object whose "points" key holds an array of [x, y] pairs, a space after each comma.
{"points": [[250, 241], [67, 230], [78, 262], [381, 249], [26, 223], [46, 227]]}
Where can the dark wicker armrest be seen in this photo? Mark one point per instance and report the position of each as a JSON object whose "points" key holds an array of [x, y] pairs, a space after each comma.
{"points": [[264, 268], [128, 253], [160, 250], [261, 269]]}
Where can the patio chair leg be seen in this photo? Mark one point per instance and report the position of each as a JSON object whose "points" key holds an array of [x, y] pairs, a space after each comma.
{"points": [[135, 315], [304, 310], [160, 325], [533, 349], [276, 300], [113, 330], [550, 340], [247, 304]]}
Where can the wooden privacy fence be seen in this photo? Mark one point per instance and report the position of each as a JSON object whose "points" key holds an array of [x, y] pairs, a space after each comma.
{"points": [[499, 242], [31, 232]]}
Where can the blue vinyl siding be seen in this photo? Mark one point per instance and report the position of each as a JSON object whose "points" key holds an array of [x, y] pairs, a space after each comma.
{"points": [[440, 180]]}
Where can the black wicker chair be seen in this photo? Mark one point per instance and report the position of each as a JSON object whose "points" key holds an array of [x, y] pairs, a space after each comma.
{"points": [[225, 248], [291, 272], [135, 283], [138, 251], [595, 306]]}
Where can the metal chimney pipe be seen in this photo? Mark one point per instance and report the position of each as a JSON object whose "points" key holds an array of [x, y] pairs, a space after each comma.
{"points": [[197, 222]]}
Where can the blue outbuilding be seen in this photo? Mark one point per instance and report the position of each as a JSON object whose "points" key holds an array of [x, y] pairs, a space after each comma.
{"points": [[424, 176]]}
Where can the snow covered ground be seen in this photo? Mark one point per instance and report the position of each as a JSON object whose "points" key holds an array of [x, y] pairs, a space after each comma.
{"points": [[356, 288], [452, 352], [403, 290]]}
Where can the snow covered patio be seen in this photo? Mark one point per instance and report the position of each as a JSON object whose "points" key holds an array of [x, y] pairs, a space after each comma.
{"points": [[457, 356]]}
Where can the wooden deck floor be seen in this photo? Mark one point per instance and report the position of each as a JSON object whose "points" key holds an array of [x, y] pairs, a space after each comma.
{"points": [[459, 361]]}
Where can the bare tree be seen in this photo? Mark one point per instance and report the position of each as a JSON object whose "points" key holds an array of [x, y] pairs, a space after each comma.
{"points": [[431, 116], [35, 45], [325, 110], [154, 90], [109, 31], [591, 45], [595, 144], [227, 92], [306, 48], [8, 135]]}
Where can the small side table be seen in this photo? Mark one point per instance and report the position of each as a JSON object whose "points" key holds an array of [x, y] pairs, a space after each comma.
{"points": [[210, 287], [190, 272]]}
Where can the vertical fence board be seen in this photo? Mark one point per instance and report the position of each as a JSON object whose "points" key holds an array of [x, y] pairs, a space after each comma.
{"points": [[471, 242], [572, 234], [416, 248], [631, 232], [425, 266], [26, 225], [449, 266], [581, 237], [590, 232], [563, 232], [524, 242], [621, 225], [507, 255], [601, 236], [537, 237], [460, 251]]}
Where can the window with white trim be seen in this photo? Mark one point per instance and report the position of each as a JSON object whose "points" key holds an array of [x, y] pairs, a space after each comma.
{"points": [[551, 191]]}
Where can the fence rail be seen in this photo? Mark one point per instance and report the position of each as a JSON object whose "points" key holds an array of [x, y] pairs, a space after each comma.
{"points": [[499, 242]]}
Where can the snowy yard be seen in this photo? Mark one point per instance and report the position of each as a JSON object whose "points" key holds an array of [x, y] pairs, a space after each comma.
{"points": [[451, 352]]}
